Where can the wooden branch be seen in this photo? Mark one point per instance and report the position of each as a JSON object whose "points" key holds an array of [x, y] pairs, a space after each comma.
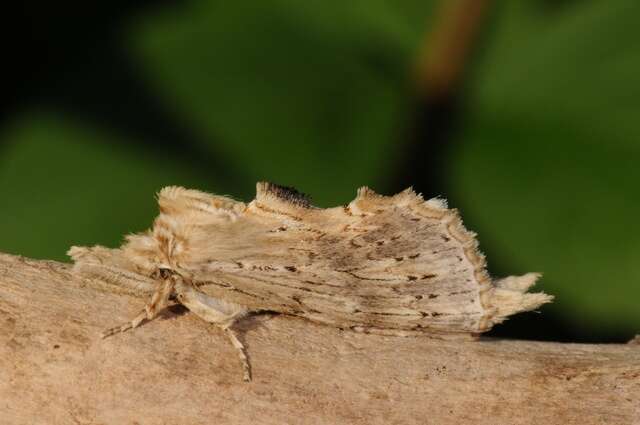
{"points": [[54, 369]]}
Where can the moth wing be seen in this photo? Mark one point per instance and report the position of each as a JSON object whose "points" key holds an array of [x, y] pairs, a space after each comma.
{"points": [[395, 263]]}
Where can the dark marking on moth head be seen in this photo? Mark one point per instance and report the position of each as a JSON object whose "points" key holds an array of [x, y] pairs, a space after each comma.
{"points": [[291, 268], [288, 194]]}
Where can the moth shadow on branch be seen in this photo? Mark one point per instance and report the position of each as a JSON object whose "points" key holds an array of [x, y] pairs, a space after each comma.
{"points": [[239, 329], [254, 320], [173, 311]]}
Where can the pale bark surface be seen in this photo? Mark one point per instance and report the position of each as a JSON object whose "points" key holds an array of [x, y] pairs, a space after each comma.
{"points": [[54, 369]]}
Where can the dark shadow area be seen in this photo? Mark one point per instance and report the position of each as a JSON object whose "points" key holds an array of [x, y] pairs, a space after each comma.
{"points": [[547, 326], [74, 60]]}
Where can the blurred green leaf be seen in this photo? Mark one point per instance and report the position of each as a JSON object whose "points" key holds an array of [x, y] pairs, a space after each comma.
{"points": [[546, 166], [301, 93], [64, 184]]}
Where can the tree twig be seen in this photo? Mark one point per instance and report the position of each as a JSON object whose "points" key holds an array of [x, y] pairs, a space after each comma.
{"points": [[55, 369]]}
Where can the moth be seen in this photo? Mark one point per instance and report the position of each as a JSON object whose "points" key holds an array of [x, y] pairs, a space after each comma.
{"points": [[395, 265]]}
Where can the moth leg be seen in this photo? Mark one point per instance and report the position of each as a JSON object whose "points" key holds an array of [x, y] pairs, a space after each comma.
{"points": [[220, 313], [242, 353], [159, 300]]}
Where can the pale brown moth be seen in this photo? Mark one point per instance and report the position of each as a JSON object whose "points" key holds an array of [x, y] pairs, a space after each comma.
{"points": [[396, 265]]}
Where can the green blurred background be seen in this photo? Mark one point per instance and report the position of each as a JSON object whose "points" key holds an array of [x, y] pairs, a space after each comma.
{"points": [[525, 115]]}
